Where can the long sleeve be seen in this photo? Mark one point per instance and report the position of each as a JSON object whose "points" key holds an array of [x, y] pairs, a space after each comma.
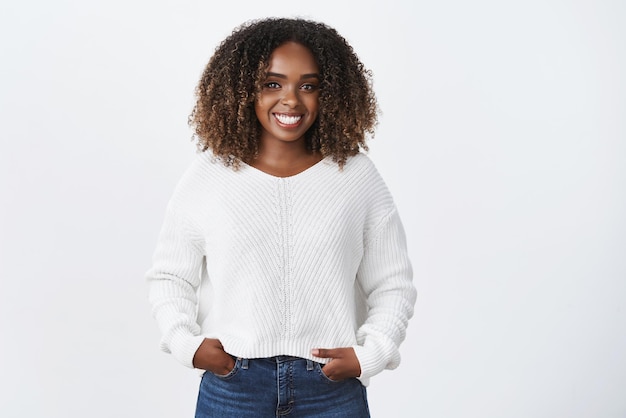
{"points": [[385, 275], [173, 281]]}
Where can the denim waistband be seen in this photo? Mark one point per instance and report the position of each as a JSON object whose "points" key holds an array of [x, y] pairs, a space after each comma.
{"points": [[278, 360], [281, 359]]}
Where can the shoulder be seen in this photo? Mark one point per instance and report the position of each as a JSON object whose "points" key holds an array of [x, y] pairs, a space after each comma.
{"points": [[360, 169], [363, 171], [381, 211], [368, 186], [360, 161], [206, 168], [204, 173]]}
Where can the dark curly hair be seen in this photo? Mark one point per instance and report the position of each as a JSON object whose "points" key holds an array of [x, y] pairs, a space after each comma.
{"points": [[224, 118]]}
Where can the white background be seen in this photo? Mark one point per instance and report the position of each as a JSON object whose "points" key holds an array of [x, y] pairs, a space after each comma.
{"points": [[503, 141]]}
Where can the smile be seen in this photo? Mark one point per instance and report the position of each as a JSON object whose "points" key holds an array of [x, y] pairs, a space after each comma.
{"points": [[288, 120]]}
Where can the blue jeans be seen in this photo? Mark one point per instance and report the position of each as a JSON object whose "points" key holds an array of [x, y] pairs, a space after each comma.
{"points": [[279, 386]]}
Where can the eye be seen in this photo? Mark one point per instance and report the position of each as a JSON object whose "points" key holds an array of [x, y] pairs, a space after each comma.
{"points": [[271, 85], [309, 87]]}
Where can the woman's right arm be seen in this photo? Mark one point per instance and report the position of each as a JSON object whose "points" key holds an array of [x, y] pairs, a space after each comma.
{"points": [[173, 281]]}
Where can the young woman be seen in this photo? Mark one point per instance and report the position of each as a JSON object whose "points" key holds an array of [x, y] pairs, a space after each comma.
{"points": [[281, 269]]}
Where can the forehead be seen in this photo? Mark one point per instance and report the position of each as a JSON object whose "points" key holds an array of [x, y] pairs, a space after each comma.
{"points": [[292, 57]]}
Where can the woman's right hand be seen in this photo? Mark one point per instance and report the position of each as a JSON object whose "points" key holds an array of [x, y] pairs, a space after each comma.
{"points": [[212, 357]]}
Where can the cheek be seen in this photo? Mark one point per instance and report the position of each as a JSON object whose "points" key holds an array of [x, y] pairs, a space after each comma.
{"points": [[313, 104], [262, 101], [259, 108]]}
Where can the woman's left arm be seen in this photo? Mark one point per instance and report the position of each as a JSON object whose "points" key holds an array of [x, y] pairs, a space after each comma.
{"points": [[386, 277]]}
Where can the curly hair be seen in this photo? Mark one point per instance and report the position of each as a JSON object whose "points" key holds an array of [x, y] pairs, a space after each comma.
{"points": [[224, 118]]}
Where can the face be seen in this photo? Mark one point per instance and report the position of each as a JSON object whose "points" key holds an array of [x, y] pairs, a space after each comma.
{"points": [[288, 102]]}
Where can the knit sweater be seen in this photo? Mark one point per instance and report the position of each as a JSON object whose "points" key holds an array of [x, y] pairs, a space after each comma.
{"points": [[281, 265]]}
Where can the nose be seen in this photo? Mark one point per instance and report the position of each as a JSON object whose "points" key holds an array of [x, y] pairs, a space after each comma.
{"points": [[290, 98]]}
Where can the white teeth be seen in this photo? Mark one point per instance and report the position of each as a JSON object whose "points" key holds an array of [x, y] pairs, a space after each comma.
{"points": [[287, 120]]}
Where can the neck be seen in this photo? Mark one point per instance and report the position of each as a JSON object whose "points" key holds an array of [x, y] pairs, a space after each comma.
{"points": [[284, 159]]}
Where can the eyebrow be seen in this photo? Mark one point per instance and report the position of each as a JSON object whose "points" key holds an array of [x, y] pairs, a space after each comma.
{"points": [[278, 75]]}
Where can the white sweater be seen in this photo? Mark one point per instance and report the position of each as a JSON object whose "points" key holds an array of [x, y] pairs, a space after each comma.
{"points": [[279, 266]]}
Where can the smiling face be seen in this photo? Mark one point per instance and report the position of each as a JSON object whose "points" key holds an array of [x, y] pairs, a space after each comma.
{"points": [[287, 105]]}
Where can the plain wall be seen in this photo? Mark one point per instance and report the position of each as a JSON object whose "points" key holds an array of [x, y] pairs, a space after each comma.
{"points": [[502, 139]]}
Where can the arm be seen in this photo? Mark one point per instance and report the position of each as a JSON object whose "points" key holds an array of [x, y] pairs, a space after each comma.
{"points": [[173, 281], [385, 276]]}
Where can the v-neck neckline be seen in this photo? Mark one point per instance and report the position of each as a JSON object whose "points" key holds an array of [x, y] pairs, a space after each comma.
{"points": [[304, 172]]}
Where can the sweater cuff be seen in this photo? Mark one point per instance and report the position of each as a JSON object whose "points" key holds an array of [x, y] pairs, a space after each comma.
{"points": [[374, 361], [184, 346]]}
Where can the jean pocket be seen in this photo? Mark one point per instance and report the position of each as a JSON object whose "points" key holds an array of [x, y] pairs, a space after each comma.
{"points": [[322, 375], [231, 373]]}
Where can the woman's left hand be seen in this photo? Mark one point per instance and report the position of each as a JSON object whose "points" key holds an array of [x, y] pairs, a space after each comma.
{"points": [[343, 364]]}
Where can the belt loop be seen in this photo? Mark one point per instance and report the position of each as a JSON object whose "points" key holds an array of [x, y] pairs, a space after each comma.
{"points": [[244, 364], [309, 365]]}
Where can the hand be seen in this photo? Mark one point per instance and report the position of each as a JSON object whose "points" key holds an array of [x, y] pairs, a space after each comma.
{"points": [[344, 363], [212, 357]]}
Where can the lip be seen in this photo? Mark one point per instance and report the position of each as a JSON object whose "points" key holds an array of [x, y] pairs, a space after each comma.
{"points": [[287, 126]]}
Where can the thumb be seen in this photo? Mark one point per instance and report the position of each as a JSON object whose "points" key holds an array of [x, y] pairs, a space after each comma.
{"points": [[324, 352]]}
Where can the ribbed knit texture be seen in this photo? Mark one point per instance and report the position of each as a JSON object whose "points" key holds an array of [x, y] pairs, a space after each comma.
{"points": [[279, 266]]}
